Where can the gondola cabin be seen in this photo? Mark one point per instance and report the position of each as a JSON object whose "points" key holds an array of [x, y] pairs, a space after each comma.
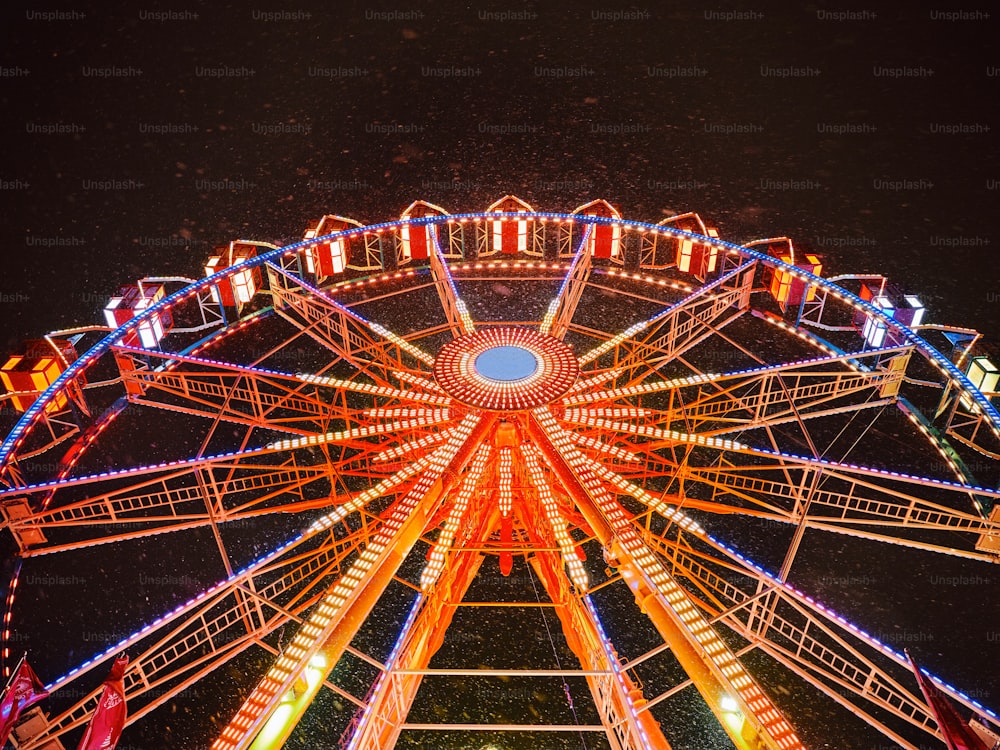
{"points": [[415, 241], [33, 368], [694, 257], [906, 309], [984, 375], [240, 287], [788, 287], [509, 236], [605, 240], [131, 302], [328, 257]]}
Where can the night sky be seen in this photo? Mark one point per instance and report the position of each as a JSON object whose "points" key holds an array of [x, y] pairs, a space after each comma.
{"points": [[137, 137]]}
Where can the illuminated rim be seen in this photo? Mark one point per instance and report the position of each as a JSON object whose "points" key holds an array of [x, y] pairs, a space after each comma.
{"points": [[18, 433], [455, 370]]}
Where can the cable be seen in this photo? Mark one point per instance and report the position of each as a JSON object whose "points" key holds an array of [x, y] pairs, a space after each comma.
{"points": [[545, 622]]}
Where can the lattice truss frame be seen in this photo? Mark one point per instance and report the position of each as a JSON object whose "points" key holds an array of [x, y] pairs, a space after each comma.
{"points": [[362, 447]]}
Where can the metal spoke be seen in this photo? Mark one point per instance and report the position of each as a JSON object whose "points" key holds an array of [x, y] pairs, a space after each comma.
{"points": [[345, 333], [671, 332], [454, 308], [559, 314]]}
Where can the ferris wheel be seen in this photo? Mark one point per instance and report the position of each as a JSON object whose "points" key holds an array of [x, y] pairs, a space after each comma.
{"points": [[507, 475]]}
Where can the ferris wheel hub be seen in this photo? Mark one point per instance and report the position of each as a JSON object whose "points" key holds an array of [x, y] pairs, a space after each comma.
{"points": [[506, 364], [506, 368]]}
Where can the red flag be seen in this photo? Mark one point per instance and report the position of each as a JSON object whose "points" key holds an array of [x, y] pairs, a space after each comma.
{"points": [[958, 735], [23, 690], [109, 719]]}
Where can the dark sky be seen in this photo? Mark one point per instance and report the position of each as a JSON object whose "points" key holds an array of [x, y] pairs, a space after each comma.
{"points": [[137, 136]]}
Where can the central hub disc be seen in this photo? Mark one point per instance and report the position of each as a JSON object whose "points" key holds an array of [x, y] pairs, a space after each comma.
{"points": [[506, 364], [506, 369]]}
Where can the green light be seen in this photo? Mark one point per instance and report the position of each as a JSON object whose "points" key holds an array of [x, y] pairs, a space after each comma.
{"points": [[284, 718]]}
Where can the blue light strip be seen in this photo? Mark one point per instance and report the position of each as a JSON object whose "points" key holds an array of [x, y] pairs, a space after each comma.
{"points": [[326, 298], [390, 665], [444, 265], [165, 466], [612, 657], [550, 312], [375, 328], [700, 291], [840, 620], [637, 328], [809, 461], [191, 603]]}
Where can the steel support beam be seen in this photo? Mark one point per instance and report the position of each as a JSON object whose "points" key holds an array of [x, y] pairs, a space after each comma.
{"points": [[706, 659]]}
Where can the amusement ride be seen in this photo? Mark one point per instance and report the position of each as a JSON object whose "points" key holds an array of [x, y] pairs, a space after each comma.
{"points": [[327, 478]]}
